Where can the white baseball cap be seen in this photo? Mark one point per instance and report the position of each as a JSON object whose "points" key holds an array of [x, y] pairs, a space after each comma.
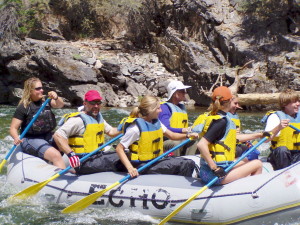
{"points": [[175, 85]]}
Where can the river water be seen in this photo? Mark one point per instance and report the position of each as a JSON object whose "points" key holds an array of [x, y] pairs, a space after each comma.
{"points": [[34, 211]]}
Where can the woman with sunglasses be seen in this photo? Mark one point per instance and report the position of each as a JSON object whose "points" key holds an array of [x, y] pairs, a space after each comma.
{"points": [[143, 138], [38, 139]]}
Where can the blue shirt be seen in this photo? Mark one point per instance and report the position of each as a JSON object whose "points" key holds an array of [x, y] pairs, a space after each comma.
{"points": [[165, 116]]}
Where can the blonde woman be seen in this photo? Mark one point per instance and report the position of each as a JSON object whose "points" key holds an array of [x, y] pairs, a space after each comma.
{"points": [[37, 141], [143, 141], [218, 144]]}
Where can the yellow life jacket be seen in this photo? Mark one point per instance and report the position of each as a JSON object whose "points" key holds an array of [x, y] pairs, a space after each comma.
{"points": [[93, 136], [179, 117], [203, 122], [122, 123], [224, 149], [235, 118], [288, 137], [199, 123], [150, 144]]}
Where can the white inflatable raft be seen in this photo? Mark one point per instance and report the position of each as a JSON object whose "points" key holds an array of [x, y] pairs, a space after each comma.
{"points": [[272, 197]]}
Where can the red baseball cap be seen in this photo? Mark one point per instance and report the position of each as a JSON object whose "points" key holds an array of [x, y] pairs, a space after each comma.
{"points": [[92, 95], [223, 92]]}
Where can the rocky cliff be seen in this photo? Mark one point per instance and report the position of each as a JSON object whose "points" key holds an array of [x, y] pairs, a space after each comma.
{"points": [[127, 49]]}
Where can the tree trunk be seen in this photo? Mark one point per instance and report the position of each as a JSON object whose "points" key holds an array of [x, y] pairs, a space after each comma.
{"points": [[262, 98]]}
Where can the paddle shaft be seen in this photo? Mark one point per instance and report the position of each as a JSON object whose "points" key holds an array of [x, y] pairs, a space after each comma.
{"points": [[90, 199], [214, 180], [26, 129]]}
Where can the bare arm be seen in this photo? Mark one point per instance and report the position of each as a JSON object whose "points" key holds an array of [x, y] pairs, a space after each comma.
{"points": [[56, 102], [203, 148], [248, 137], [113, 132], [124, 159], [13, 130], [186, 130], [179, 136], [62, 143]]}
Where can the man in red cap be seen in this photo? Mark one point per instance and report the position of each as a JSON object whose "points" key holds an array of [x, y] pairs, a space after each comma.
{"points": [[82, 132]]}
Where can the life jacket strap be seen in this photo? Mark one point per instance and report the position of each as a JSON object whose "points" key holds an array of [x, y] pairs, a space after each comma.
{"points": [[100, 144], [100, 133], [76, 146], [156, 152], [213, 154], [223, 145], [156, 140], [76, 136]]}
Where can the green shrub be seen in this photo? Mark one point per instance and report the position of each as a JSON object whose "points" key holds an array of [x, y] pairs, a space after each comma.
{"points": [[94, 18], [264, 9], [27, 15]]}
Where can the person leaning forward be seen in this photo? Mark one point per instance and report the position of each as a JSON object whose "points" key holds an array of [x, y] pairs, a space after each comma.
{"points": [[218, 144], [143, 141], [200, 123], [174, 115], [83, 132]]}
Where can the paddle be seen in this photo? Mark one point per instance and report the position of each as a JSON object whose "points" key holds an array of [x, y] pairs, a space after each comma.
{"points": [[24, 132], [90, 199], [266, 134], [32, 190]]}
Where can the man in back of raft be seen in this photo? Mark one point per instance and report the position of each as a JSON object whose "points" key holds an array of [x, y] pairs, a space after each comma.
{"points": [[174, 115], [83, 132], [285, 141]]}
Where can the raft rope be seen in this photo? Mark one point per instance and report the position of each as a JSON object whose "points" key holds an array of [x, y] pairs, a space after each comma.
{"points": [[253, 193]]}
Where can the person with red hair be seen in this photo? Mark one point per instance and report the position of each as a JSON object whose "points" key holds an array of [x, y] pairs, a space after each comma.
{"points": [[218, 143]]}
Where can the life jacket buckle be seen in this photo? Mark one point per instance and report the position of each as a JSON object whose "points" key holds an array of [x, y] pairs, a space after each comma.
{"points": [[156, 140], [156, 152]]}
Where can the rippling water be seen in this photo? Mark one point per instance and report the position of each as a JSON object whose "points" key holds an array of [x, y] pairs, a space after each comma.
{"points": [[35, 211]]}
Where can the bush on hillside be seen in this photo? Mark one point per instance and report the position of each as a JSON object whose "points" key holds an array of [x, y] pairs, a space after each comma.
{"points": [[18, 19]]}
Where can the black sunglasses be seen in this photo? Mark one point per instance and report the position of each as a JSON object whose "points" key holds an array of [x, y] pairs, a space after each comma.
{"points": [[38, 88], [95, 102]]}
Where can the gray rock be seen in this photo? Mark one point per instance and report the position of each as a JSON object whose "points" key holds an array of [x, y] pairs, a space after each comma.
{"points": [[196, 41], [4, 93], [67, 69]]}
